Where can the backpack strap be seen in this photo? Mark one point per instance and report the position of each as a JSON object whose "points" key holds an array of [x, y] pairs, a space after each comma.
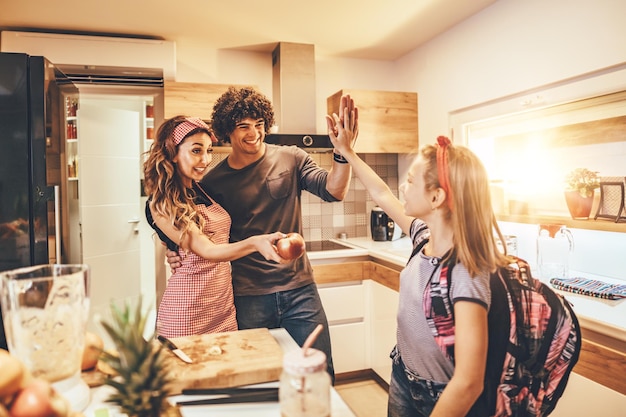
{"points": [[536, 363], [499, 325], [420, 244], [438, 307]]}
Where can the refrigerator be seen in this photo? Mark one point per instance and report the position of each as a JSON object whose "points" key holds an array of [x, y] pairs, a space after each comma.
{"points": [[39, 220]]}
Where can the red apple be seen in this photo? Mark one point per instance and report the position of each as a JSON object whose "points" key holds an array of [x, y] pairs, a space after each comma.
{"points": [[291, 247], [35, 400]]}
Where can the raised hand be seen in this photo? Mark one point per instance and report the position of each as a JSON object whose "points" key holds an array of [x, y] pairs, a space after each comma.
{"points": [[343, 128]]}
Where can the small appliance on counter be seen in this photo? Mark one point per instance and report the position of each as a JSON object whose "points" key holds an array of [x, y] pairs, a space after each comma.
{"points": [[383, 228]]}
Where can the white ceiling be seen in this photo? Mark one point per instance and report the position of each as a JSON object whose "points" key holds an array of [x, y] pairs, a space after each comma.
{"points": [[367, 29]]}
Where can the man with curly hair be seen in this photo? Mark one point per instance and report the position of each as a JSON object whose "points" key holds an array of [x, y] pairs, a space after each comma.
{"points": [[260, 186]]}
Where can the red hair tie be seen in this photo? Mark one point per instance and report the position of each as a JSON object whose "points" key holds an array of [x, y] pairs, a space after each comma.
{"points": [[443, 170], [183, 129]]}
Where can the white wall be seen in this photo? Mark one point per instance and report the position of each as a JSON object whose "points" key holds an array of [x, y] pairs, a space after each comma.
{"points": [[198, 64], [510, 47]]}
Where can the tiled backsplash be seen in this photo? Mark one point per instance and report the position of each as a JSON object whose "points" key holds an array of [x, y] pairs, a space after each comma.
{"points": [[322, 220]]}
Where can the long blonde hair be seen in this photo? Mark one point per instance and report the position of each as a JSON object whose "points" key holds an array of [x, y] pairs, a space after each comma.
{"points": [[169, 197], [470, 209]]}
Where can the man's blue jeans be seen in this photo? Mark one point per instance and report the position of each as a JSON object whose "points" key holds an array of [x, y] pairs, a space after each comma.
{"points": [[298, 311]]}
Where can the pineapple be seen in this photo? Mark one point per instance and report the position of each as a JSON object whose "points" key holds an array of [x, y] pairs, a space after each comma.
{"points": [[142, 380]]}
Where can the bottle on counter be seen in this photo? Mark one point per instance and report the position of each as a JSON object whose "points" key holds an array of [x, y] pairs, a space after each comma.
{"points": [[555, 248], [304, 389]]}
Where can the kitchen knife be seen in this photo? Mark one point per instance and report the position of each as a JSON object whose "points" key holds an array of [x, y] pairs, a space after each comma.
{"points": [[229, 391], [171, 346], [245, 397]]}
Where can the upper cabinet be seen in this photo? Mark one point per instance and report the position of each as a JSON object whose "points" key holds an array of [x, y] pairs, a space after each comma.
{"points": [[194, 100], [388, 120], [191, 99]]}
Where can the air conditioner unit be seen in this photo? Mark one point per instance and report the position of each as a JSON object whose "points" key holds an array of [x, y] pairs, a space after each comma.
{"points": [[96, 51]]}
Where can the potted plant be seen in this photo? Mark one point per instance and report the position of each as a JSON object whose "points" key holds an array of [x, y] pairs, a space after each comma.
{"points": [[581, 184]]}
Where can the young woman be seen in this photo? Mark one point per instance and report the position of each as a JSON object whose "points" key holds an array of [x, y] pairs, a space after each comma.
{"points": [[438, 368], [199, 295]]}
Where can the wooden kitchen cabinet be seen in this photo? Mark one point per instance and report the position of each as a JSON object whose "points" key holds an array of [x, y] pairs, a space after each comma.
{"points": [[349, 271], [191, 99], [600, 353], [388, 120], [195, 100]]}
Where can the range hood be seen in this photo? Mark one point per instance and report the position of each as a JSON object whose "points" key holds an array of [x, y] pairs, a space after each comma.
{"points": [[311, 142], [293, 90]]}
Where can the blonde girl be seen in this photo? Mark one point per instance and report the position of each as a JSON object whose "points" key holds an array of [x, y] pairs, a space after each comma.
{"points": [[439, 365]]}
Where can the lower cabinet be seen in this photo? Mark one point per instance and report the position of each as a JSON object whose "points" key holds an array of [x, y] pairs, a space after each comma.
{"points": [[344, 304], [349, 346], [383, 303], [361, 310]]}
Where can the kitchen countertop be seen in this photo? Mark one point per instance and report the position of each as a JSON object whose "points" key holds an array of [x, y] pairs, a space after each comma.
{"points": [[271, 409], [396, 252], [605, 317], [353, 253]]}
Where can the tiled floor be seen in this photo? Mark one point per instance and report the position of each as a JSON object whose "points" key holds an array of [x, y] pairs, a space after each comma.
{"points": [[365, 398]]}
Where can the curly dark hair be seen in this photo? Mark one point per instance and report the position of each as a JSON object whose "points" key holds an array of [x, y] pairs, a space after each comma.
{"points": [[237, 104]]}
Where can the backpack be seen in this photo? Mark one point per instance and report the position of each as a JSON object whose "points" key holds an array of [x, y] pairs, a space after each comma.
{"points": [[534, 341]]}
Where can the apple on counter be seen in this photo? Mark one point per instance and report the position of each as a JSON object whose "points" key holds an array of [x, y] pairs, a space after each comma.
{"points": [[22, 395]]}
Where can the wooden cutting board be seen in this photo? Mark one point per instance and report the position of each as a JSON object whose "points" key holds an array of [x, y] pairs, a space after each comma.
{"points": [[247, 357]]}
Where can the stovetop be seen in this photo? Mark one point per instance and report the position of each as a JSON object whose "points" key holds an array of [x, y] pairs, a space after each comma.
{"points": [[322, 245]]}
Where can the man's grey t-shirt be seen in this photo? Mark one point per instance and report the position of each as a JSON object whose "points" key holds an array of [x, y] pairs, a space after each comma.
{"points": [[264, 197]]}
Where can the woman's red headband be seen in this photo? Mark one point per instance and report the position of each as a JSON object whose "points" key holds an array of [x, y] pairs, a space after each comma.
{"points": [[443, 169], [183, 129]]}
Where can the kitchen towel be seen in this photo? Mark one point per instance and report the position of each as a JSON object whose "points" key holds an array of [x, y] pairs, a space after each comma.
{"points": [[591, 287]]}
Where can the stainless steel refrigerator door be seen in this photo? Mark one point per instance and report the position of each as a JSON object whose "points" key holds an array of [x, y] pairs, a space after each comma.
{"points": [[50, 177], [43, 92], [15, 173], [32, 137]]}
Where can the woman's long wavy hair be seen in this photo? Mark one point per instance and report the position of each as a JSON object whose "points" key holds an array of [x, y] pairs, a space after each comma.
{"points": [[162, 183], [473, 221]]}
